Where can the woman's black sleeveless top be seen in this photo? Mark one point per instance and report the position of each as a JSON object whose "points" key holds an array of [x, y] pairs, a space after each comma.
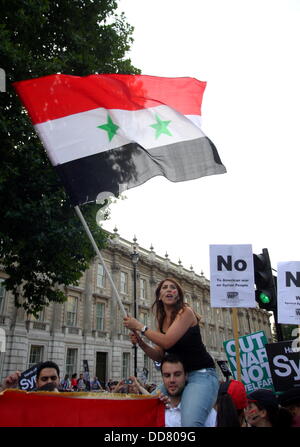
{"points": [[191, 350]]}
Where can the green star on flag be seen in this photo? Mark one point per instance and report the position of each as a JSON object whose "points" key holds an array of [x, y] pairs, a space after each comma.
{"points": [[161, 127], [110, 127]]}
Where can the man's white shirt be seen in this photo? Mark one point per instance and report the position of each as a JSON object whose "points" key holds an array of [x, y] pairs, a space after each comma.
{"points": [[173, 417]]}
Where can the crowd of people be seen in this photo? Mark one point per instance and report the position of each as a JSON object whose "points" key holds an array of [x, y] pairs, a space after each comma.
{"points": [[190, 389], [193, 388], [48, 379], [129, 386], [232, 408], [178, 332], [82, 383]]}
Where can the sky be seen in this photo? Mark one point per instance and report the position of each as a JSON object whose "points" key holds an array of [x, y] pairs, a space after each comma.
{"points": [[248, 53]]}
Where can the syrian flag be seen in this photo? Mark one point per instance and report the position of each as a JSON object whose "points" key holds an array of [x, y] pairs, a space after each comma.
{"points": [[43, 409], [112, 132]]}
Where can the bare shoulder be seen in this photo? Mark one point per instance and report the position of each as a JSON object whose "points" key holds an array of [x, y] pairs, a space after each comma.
{"points": [[187, 312]]}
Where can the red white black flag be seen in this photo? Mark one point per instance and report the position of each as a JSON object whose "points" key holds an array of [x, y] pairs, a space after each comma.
{"points": [[112, 132]]}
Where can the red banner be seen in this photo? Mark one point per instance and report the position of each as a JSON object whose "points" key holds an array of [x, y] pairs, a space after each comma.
{"points": [[25, 409]]}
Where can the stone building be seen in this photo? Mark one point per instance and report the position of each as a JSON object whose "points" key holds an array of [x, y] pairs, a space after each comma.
{"points": [[88, 326]]}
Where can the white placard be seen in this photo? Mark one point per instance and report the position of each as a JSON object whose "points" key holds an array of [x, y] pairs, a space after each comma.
{"points": [[231, 276], [288, 292]]}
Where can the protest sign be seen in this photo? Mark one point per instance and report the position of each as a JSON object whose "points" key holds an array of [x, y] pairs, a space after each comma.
{"points": [[223, 364], [232, 276], [255, 370], [284, 361], [288, 292], [27, 379]]}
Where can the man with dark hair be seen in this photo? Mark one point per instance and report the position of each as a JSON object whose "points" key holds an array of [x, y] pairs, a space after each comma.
{"points": [[171, 358], [47, 372], [174, 378]]}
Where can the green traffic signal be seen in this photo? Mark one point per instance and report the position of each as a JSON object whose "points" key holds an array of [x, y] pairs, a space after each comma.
{"points": [[265, 299], [265, 281]]}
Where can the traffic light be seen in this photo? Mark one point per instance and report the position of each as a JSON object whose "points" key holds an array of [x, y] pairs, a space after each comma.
{"points": [[265, 293]]}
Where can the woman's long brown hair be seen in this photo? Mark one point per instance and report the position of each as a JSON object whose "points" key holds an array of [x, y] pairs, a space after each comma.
{"points": [[178, 306]]}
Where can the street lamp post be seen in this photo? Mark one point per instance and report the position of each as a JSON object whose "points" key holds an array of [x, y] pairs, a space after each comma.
{"points": [[135, 259]]}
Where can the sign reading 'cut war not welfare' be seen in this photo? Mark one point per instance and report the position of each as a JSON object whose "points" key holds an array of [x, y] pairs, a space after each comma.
{"points": [[255, 369]]}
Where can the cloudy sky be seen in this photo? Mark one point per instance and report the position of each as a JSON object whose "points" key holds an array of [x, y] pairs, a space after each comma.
{"points": [[248, 52]]}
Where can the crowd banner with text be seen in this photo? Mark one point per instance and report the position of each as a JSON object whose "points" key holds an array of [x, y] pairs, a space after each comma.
{"points": [[43, 409], [255, 369], [232, 276], [288, 292], [284, 361]]}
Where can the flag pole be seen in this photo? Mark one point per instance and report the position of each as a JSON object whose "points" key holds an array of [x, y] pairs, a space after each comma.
{"points": [[90, 236], [236, 341]]}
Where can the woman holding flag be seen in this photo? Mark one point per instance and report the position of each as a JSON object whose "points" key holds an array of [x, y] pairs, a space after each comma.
{"points": [[179, 333]]}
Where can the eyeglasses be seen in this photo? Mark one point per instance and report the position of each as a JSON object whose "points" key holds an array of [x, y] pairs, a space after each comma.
{"points": [[45, 378]]}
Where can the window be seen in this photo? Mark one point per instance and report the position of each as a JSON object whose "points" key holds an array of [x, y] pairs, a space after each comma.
{"points": [[196, 306], [2, 294], [100, 276], [36, 355], [125, 365], [100, 313], [146, 362], [142, 289], [123, 329], [209, 314], [124, 282], [221, 339], [71, 311], [230, 334], [228, 317], [212, 336], [219, 316], [144, 318], [71, 361], [187, 298], [40, 316]]}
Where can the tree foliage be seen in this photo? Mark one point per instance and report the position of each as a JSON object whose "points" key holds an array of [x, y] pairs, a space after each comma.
{"points": [[42, 243]]}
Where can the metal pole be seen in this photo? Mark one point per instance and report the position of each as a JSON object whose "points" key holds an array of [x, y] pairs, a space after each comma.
{"points": [[90, 236], [278, 326], [235, 325], [135, 316], [275, 311]]}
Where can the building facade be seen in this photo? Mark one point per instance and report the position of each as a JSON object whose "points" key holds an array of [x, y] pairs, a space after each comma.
{"points": [[89, 325]]}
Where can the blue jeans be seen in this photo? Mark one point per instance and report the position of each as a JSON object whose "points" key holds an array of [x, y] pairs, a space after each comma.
{"points": [[198, 397]]}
